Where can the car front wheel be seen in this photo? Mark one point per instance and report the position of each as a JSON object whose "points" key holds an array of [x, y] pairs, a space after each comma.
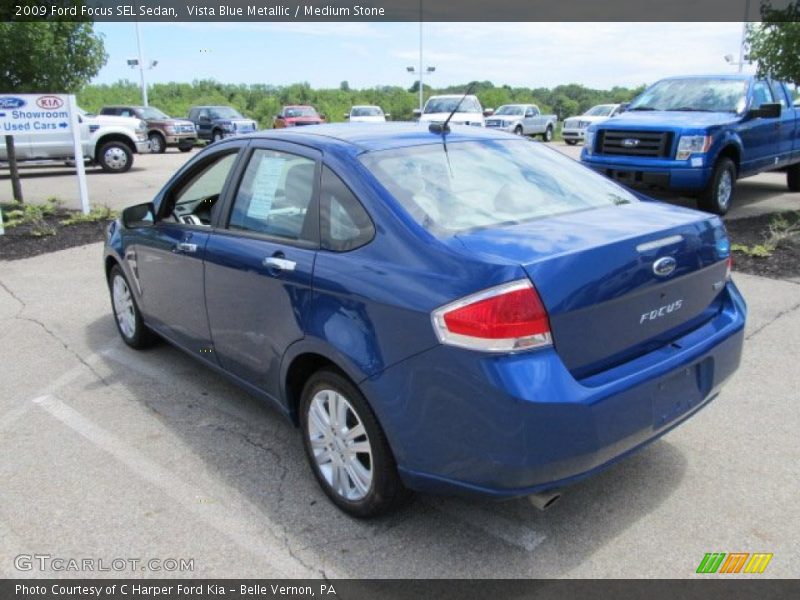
{"points": [[217, 136], [718, 195], [157, 144], [518, 130], [126, 312], [571, 142], [793, 178], [346, 447], [115, 157], [547, 136]]}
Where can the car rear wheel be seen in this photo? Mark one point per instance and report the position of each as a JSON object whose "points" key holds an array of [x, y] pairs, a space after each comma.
{"points": [[793, 178], [126, 312], [346, 447], [115, 157], [547, 136], [157, 144], [718, 195]]}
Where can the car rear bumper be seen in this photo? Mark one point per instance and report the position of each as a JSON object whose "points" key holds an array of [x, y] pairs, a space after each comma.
{"points": [[512, 425], [665, 174]]}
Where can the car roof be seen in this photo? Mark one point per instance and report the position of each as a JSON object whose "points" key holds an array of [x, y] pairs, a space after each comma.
{"points": [[377, 136]]}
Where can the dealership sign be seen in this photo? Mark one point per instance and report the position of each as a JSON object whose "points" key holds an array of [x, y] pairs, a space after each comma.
{"points": [[34, 114]]}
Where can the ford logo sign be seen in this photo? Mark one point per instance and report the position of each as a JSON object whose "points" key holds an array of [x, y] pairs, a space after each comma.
{"points": [[630, 142], [11, 102], [664, 267]]}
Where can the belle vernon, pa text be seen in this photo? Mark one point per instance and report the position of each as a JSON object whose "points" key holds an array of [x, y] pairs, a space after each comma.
{"points": [[323, 590]]}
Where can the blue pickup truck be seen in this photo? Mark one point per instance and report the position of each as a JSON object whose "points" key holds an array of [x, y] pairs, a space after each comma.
{"points": [[700, 134]]}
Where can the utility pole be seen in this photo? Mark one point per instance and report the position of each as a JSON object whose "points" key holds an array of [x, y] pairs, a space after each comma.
{"points": [[744, 34], [141, 64]]}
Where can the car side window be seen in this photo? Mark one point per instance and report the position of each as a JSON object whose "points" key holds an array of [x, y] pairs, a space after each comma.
{"points": [[126, 112], [276, 196], [195, 200], [344, 223], [203, 114], [529, 112], [780, 96], [761, 94]]}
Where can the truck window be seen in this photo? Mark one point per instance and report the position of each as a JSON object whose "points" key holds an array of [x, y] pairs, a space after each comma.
{"points": [[779, 93], [761, 94]]}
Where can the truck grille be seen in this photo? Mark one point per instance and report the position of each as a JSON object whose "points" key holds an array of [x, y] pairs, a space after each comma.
{"points": [[634, 143], [184, 128]]}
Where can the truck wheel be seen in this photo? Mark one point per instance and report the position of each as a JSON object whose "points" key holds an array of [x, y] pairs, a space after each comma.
{"points": [[157, 143], [793, 178], [571, 142], [547, 136], [115, 157], [518, 130], [185, 148], [718, 195], [217, 135]]}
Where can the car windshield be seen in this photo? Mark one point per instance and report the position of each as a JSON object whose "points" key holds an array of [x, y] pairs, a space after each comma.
{"points": [[511, 109], [601, 110], [694, 94], [447, 105], [472, 185], [152, 113], [366, 111], [300, 111], [224, 112]]}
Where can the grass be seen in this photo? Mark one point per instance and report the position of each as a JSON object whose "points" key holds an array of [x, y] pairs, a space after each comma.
{"points": [[781, 230], [35, 216]]}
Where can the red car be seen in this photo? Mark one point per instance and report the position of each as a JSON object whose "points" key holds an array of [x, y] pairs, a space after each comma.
{"points": [[296, 115]]}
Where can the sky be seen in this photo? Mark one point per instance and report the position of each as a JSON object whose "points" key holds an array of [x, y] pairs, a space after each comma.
{"points": [[597, 55]]}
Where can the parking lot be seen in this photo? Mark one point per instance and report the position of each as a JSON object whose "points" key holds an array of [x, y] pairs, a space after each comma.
{"points": [[112, 453]]}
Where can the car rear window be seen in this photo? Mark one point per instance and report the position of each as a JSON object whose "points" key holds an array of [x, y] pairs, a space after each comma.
{"points": [[469, 185]]}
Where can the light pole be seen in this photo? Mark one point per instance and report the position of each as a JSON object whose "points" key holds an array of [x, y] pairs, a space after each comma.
{"points": [[429, 71], [742, 42], [134, 62]]}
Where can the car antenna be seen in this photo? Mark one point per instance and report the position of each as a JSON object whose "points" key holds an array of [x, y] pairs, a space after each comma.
{"points": [[444, 128]]}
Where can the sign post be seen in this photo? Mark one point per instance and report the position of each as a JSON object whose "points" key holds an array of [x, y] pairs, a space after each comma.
{"points": [[45, 114]]}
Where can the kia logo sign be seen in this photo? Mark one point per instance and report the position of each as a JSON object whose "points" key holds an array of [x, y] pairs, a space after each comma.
{"points": [[49, 102], [664, 267], [11, 102], [630, 142]]}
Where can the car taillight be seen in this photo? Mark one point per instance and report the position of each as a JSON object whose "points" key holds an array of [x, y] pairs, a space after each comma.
{"points": [[505, 318]]}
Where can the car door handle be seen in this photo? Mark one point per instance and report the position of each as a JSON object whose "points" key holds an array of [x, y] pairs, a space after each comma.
{"points": [[279, 264], [185, 247]]}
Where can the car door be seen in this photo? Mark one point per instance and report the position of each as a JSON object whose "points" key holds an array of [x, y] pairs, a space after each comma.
{"points": [[759, 134], [203, 124], [529, 121], [259, 262], [169, 255]]}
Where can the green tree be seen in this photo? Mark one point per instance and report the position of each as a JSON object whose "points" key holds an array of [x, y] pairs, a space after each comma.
{"points": [[775, 43], [49, 56]]}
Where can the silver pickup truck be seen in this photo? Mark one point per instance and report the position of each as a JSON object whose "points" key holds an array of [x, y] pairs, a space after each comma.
{"points": [[523, 119], [109, 142]]}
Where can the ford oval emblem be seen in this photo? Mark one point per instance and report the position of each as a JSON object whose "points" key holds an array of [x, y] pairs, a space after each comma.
{"points": [[11, 102], [664, 267], [630, 142]]}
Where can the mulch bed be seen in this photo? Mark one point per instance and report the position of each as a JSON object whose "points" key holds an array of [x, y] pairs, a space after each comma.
{"points": [[19, 243], [784, 261]]}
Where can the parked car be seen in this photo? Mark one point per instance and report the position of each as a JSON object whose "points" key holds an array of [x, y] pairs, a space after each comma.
{"points": [[297, 115], [486, 317], [575, 127], [366, 114], [108, 142], [523, 119], [438, 108], [700, 134], [162, 130], [214, 123]]}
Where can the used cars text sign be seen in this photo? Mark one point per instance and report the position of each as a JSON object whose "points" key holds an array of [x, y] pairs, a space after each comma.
{"points": [[33, 114]]}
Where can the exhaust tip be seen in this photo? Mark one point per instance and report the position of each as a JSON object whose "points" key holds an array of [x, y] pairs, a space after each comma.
{"points": [[545, 500]]}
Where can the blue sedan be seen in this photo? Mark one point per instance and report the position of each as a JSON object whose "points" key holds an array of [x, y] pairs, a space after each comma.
{"points": [[444, 311]]}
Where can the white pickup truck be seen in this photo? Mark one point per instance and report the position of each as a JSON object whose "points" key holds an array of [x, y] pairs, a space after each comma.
{"points": [[523, 119], [109, 142]]}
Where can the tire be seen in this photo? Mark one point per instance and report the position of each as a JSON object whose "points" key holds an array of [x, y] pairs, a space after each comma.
{"points": [[547, 136], [216, 136], [185, 148], [718, 195], [115, 157], [126, 312], [157, 143], [571, 142], [361, 483], [793, 178], [518, 130]]}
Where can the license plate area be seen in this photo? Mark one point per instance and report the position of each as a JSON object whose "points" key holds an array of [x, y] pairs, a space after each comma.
{"points": [[681, 392]]}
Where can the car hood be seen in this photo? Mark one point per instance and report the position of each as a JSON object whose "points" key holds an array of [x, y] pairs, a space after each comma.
{"points": [[168, 122], [585, 119], [316, 119], [673, 119], [130, 122]]}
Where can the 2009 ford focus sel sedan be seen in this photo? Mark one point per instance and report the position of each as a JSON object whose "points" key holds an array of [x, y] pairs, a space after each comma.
{"points": [[457, 312]]}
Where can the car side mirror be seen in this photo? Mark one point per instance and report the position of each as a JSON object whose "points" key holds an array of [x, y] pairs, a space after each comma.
{"points": [[139, 215], [488, 112], [767, 111]]}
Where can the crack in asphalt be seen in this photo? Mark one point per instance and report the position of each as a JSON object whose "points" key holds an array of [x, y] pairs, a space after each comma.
{"points": [[11, 293], [782, 313]]}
